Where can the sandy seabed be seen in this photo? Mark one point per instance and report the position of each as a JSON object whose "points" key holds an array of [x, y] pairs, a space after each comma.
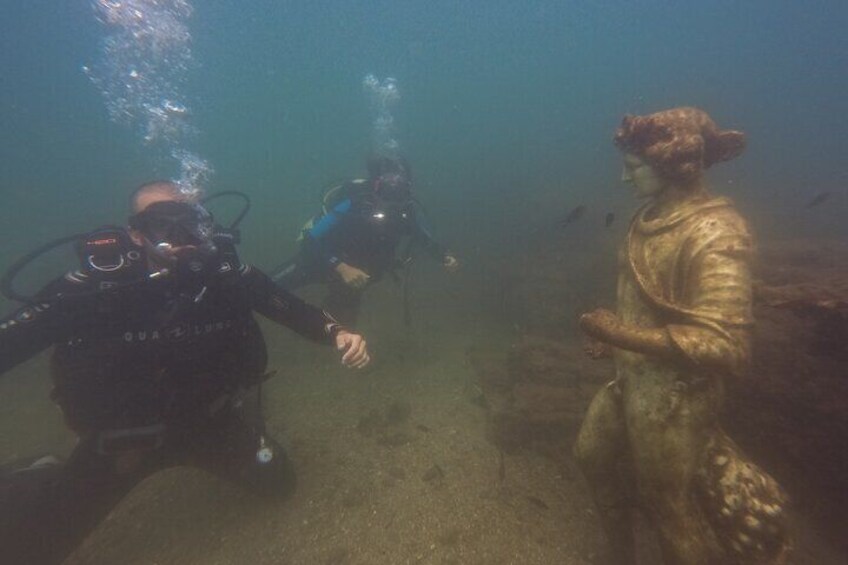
{"points": [[394, 467]]}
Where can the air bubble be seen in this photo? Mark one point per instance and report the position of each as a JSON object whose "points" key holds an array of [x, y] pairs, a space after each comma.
{"points": [[146, 57], [384, 97]]}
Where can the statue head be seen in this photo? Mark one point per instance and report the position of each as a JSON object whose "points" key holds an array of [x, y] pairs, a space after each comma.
{"points": [[674, 146]]}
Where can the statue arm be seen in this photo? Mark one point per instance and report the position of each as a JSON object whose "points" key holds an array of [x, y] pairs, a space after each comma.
{"points": [[605, 326], [711, 324], [715, 328], [648, 341]]}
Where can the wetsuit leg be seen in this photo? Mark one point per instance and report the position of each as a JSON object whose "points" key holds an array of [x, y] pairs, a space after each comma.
{"points": [[46, 511], [343, 302], [229, 447]]}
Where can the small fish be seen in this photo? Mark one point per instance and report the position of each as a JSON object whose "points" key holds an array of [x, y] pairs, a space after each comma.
{"points": [[434, 473], [538, 502], [575, 214], [501, 466], [818, 199], [609, 219]]}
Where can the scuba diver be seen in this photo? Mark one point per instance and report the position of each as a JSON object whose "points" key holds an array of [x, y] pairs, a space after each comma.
{"points": [[354, 242], [157, 362]]}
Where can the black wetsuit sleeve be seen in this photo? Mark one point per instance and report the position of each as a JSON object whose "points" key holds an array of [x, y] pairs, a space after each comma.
{"points": [[317, 238], [287, 309], [29, 330], [318, 256]]}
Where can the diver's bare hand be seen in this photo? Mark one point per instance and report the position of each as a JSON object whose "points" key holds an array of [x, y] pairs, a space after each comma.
{"points": [[450, 263], [600, 324], [352, 277], [355, 349]]}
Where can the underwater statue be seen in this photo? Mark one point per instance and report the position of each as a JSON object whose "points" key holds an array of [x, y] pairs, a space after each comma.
{"points": [[651, 438]]}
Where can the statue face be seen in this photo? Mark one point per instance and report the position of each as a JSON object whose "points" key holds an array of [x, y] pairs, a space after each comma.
{"points": [[645, 180]]}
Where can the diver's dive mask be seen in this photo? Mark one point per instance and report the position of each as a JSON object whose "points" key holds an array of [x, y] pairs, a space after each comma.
{"points": [[393, 194], [176, 231]]}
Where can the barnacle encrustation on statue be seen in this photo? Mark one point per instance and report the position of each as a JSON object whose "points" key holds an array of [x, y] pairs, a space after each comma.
{"points": [[745, 505]]}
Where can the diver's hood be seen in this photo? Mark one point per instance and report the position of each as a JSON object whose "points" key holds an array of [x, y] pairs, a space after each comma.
{"points": [[393, 187]]}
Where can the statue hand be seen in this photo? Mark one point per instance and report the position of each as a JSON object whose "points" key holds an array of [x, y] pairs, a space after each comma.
{"points": [[595, 349], [600, 324]]}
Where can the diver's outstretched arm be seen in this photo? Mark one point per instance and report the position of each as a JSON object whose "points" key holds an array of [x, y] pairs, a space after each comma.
{"points": [[31, 329], [287, 309]]}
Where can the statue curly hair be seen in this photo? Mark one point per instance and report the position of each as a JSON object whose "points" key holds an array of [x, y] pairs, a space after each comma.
{"points": [[679, 143]]}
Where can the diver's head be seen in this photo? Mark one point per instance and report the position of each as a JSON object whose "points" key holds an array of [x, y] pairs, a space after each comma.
{"points": [[155, 191], [172, 228], [390, 177], [393, 188]]}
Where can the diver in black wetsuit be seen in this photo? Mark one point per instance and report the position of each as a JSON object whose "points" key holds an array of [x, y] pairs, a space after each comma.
{"points": [[355, 241], [155, 351]]}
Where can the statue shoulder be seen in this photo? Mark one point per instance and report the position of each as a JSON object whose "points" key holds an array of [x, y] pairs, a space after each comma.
{"points": [[720, 226]]}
